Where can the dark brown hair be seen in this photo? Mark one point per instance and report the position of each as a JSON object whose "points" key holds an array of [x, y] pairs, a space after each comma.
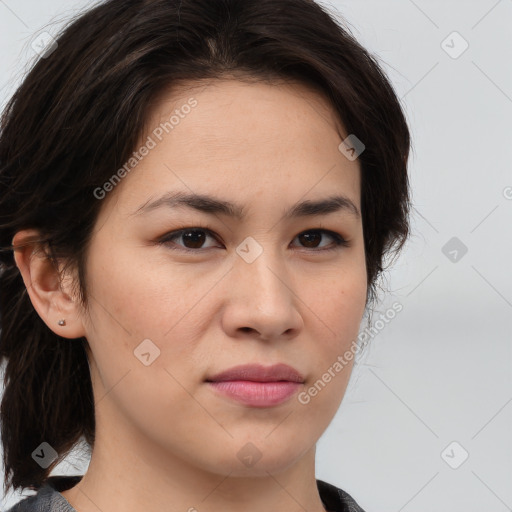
{"points": [[79, 114]]}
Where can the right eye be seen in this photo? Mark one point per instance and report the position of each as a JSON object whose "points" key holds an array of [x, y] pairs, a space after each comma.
{"points": [[194, 237]]}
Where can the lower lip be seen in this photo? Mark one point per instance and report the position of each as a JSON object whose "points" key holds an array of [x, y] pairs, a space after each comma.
{"points": [[257, 394]]}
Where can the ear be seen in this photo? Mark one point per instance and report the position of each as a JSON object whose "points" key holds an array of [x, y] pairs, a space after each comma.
{"points": [[51, 295]]}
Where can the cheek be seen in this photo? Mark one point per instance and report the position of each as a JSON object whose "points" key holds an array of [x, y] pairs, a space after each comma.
{"points": [[339, 300], [141, 296], [136, 300], [337, 307]]}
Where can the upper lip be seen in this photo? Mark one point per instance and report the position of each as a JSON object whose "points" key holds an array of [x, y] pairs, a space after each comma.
{"points": [[259, 373]]}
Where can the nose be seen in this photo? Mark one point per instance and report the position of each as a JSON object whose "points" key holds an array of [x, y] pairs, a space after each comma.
{"points": [[262, 300]]}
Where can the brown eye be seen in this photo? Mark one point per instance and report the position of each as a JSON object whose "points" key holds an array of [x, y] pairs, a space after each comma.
{"points": [[192, 239], [312, 238]]}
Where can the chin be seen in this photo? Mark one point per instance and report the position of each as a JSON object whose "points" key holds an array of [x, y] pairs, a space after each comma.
{"points": [[252, 459]]}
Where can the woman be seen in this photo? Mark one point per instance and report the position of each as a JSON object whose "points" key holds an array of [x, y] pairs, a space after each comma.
{"points": [[196, 199]]}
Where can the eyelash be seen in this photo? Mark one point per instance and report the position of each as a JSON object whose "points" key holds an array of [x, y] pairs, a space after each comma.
{"points": [[339, 241]]}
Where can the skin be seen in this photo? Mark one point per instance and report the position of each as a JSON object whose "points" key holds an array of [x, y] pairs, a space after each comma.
{"points": [[164, 439]]}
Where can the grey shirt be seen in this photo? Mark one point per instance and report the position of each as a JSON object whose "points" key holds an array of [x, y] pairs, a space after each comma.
{"points": [[49, 499]]}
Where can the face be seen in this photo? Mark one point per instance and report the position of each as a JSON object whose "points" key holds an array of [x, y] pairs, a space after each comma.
{"points": [[179, 292]]}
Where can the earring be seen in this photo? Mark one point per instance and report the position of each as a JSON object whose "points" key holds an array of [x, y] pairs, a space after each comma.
{"points": [[62, 322]]}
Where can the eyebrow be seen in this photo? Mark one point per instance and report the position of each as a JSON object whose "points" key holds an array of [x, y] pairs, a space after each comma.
{"points": [[213, 205]]}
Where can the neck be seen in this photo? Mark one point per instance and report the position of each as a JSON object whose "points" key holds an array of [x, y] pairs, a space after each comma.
{"points": [[146, 477]]}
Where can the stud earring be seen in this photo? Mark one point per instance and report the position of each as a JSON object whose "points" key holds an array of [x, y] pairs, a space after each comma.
{"points": [[62, 322]]}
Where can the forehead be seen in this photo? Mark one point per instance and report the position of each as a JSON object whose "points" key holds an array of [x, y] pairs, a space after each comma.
{"points": [[248, 102], [226, 88], [247, 138]]}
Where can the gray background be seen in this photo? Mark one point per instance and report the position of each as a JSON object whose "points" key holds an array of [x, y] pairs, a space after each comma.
{"points": [[440, 371]]}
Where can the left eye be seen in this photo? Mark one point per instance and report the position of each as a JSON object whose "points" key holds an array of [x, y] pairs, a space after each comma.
{"points": [[194, 239]]}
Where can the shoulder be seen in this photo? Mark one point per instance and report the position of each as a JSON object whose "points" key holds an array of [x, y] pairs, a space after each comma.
{"points": [[48, 497], [42, 501], [336, 499]]}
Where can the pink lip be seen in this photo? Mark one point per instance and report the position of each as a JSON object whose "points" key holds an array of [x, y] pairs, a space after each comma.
{"points": [[257, 385], [257, 394], [259, 373]]}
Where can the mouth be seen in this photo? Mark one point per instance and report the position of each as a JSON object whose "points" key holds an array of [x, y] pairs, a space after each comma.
{"points": [[256, 385], [259, 373]]}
